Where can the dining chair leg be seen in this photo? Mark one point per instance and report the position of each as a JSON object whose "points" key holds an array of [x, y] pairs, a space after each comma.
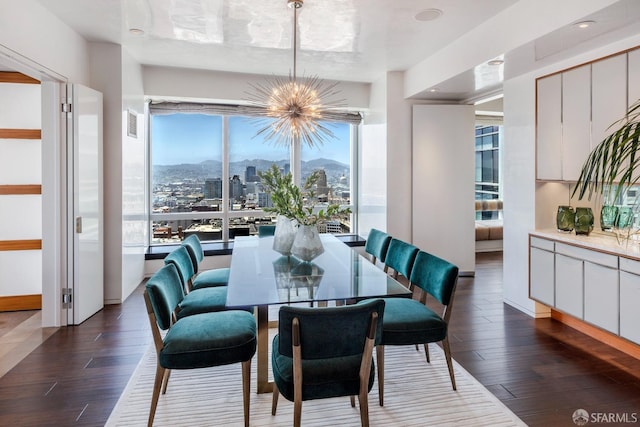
{"points": [[246, 382], [380, 361], [157, 384], [274, 399], [353, 401], [165, 380], [363, 400], [426, 352], [447, 355]]}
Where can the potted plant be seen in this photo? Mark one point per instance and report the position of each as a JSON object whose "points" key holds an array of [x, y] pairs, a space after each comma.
{"points": [[299, 204], [611, 168]]}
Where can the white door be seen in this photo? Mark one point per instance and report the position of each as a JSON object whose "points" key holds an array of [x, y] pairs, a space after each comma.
{"points": [[85, 189]]}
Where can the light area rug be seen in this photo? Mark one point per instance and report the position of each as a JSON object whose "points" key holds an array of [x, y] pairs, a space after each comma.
{"points": [[416, 394]]}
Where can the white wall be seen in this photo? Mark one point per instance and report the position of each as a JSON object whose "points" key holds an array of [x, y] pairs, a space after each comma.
{"points": [[521, 202], [443, 182], [135, 226], [119, 78], [20, 215], [28, 29], [372, 160]]}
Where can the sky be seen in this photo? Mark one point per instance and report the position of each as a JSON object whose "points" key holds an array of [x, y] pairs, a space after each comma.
{"points": [[193, 138]]}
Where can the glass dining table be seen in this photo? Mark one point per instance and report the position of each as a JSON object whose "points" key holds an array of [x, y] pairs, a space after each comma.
{"points": [[262, 277]]}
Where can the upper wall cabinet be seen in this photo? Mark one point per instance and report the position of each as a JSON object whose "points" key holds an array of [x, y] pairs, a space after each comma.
{"points": [[575, 109], [634, 76], [576, 115], [609, 101], [549, 128]]}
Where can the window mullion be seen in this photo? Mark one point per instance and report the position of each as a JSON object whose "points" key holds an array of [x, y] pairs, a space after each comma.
{"points": [[225, 178]]}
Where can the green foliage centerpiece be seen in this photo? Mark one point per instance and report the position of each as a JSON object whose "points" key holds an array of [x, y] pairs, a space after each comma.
{"points": [[298, 206]]}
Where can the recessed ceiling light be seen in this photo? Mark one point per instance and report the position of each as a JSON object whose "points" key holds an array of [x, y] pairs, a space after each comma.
{"points": [[428, 15], [434, 90], [496, 62], [136, 31], [584, 24]]}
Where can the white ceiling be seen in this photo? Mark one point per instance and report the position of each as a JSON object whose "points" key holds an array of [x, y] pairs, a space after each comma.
{"points": [[349, 40]]}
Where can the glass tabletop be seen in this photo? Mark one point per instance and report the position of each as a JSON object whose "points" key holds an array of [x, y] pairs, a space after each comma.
{"points": [[261, 276]]}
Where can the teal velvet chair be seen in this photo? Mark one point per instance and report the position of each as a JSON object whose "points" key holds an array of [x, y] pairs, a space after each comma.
{"points": [[201, 300], [266, 230], [205, 278], [325, 352], [409, 321], [182, 260], [400, 258], [197, 341], [377, 245]]}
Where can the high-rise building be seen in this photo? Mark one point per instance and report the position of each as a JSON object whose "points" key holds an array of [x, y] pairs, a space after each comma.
{"points": [[322, 189], [235, 188], [250, 174], [264, 200], [212, 188]]}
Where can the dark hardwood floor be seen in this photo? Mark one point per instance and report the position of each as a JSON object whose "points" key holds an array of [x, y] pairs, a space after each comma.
{"points": [[541, 369]]}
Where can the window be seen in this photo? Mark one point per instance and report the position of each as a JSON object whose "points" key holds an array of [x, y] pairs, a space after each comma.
{"points": [[204, 174], [488, 143]]}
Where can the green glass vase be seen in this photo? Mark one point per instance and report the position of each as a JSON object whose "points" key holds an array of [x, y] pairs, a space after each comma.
{"points": [[565, 219], [608, 215], [584, 221], [624, 218]]}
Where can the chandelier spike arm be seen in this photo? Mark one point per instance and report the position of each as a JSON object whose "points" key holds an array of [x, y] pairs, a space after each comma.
{"points": [[297, 106]]}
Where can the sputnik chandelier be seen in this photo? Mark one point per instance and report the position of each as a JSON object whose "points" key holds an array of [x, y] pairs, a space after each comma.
{"points": [[297, 107]]}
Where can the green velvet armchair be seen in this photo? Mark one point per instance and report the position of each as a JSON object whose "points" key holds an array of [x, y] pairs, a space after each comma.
{"points": [[205, 278], [409, 321], [377, 245], [196, 341], [325, 352]]}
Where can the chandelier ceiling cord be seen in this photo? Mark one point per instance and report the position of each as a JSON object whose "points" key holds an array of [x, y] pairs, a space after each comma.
{"points": [[295, 107]]}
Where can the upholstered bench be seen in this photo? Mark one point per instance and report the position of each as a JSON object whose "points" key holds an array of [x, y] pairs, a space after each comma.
{"points": [[489, 231]]}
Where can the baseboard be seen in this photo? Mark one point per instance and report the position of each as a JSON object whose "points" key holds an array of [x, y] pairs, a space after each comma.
{"points": [[21, 302], [488, 245], [596, 333]]}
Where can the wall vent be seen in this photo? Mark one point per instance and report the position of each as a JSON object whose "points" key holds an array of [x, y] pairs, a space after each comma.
{"points": [[132, 123]]}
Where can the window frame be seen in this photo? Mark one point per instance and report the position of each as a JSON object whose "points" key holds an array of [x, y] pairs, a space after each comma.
{"points": [[226, 214]]}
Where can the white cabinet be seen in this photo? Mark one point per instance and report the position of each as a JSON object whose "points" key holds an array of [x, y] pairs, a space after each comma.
{"points": [[629, 313], [549, 128], [634, 76], [576, 118], [576, 107], [609, 103], [541, 279], [569, 285], [599, 286], [601, 296]]}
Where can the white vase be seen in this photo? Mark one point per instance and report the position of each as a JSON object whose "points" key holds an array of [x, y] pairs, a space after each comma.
{"points": [[284, 235], [307, 244]]}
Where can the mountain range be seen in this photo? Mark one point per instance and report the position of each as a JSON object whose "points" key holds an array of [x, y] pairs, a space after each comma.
{"points": [[198, 172]]}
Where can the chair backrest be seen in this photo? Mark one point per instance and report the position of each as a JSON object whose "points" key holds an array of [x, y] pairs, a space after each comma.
{"points": [[194, 248], [182, 261], [401, 256], [329, 332], [435, 276], [165, 294], [377, 244], [266, 230]]}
